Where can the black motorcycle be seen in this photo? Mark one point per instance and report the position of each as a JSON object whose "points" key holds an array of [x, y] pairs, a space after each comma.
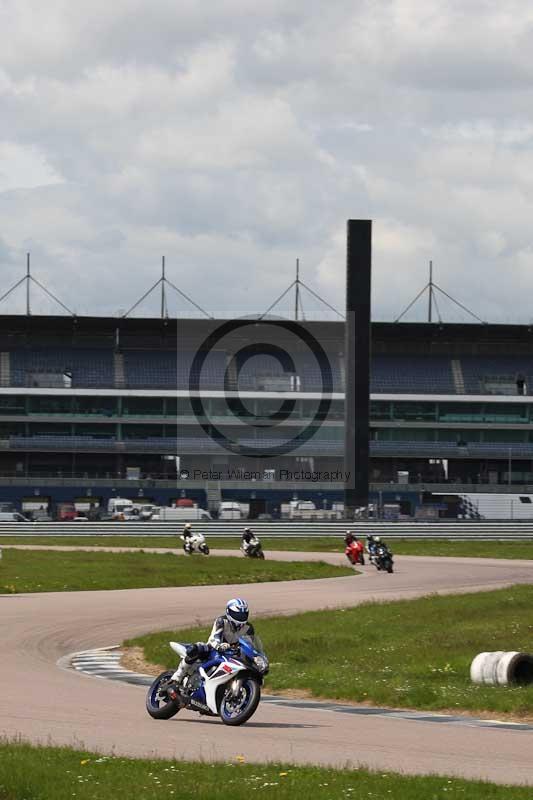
{"points": [[381, 558]]}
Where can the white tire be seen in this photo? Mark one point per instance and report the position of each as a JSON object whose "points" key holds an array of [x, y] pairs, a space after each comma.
{"points": [[515, 667], [502, 668], [476, 668], [490, 667]]}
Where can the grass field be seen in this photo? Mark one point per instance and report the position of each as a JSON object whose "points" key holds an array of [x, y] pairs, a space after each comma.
{"points": [[413, 654], [46, 571], [325, 544], [49, 773]]}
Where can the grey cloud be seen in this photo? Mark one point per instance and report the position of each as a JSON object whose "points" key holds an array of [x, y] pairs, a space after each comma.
{"points": [[233, 140]]}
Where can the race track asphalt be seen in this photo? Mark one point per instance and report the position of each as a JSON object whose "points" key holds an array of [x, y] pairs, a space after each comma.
{"points": [[44, 703]]}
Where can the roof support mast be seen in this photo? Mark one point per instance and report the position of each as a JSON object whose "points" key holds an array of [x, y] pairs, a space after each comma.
{"points": [[28, 278], [433, 288], [163, 280], [163, 303], [297, 290], [430, 284]]}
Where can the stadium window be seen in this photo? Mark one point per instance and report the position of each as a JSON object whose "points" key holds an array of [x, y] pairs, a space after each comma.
{"points": [[380, 410], [95, 431], [506, 413], [49, 429], [11, 429], [142, 431], [414, 411], [412, 435], [42, 404], [461, 412], [216, 406], [95, 406], [12, 404], [142, 406], [171, 406]]}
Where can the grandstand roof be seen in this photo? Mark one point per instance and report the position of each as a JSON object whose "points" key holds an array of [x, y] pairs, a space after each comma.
{"points": [[142, 332]]}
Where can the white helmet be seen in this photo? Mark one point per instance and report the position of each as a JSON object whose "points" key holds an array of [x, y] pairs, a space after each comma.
{"points": [[188, 525], [237, 612], [377, 538]]}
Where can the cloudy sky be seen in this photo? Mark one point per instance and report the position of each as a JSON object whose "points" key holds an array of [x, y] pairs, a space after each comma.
{"points": [[235, 136]]}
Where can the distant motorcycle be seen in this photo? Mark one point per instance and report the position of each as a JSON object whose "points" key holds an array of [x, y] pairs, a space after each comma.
{"points": [[225, 685], [195, 543], [381, 558], [252, 549], [355, 553]]}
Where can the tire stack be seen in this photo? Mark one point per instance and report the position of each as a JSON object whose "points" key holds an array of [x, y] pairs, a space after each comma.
{"points": [[502, 668]]}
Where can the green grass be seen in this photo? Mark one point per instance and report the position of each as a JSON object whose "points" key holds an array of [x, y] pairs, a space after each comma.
{"points": [[413, 654], [49, 571], [325, 544], [53, 773]]}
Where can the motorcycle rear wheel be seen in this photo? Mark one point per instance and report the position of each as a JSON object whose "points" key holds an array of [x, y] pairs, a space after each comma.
{"points": [[156, 705]]}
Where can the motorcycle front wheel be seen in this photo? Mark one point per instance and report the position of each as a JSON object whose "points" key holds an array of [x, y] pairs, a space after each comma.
{"points": [[237, 710], [158, 705], [205, 550]]}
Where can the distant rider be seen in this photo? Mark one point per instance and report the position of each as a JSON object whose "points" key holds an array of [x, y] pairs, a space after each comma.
{"points": [[372, 543], [248, 538], [187, 531], [355, 550], [226, 632]]}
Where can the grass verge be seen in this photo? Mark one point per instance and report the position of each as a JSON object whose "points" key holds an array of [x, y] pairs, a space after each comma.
{"points": [[53, 773], [324, 544], [56, 571], [411, 654]]}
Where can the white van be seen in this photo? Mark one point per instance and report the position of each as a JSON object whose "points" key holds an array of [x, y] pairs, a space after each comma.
{"points": [[120, 508], [229, 509], [12, 516]]}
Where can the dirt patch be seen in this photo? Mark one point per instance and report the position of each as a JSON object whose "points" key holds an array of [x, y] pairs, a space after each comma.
{"points": [[133, 660]]}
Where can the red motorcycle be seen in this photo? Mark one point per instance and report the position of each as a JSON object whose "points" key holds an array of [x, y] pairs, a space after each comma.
{"points": [[355, 553]]}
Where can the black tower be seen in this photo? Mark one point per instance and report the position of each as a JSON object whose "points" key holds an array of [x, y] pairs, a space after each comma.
{"points": [[357, 365]]}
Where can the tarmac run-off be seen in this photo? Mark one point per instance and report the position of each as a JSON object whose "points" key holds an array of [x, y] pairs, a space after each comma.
{"points": [[44, 703]]}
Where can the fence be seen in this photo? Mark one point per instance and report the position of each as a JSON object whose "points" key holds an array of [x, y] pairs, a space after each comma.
{"points": [[504, 530]]}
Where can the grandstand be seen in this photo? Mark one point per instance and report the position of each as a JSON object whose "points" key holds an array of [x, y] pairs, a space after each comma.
{"points": [[100, 406]]}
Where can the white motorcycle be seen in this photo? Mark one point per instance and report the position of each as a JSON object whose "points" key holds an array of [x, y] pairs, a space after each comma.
{"points": [[225, 685], [195, 543], [252, 549]]}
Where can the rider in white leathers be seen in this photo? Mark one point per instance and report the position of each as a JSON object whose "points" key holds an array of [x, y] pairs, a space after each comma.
{"points": [[226, 631]]}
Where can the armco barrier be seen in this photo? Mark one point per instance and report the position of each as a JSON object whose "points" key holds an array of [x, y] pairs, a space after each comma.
{"points": [[405, 530]]}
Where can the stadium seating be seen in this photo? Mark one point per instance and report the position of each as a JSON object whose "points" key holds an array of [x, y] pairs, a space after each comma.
{"points": [[47, 367], [496, 375], [170, 369], [412, 375], [255, 372]]}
